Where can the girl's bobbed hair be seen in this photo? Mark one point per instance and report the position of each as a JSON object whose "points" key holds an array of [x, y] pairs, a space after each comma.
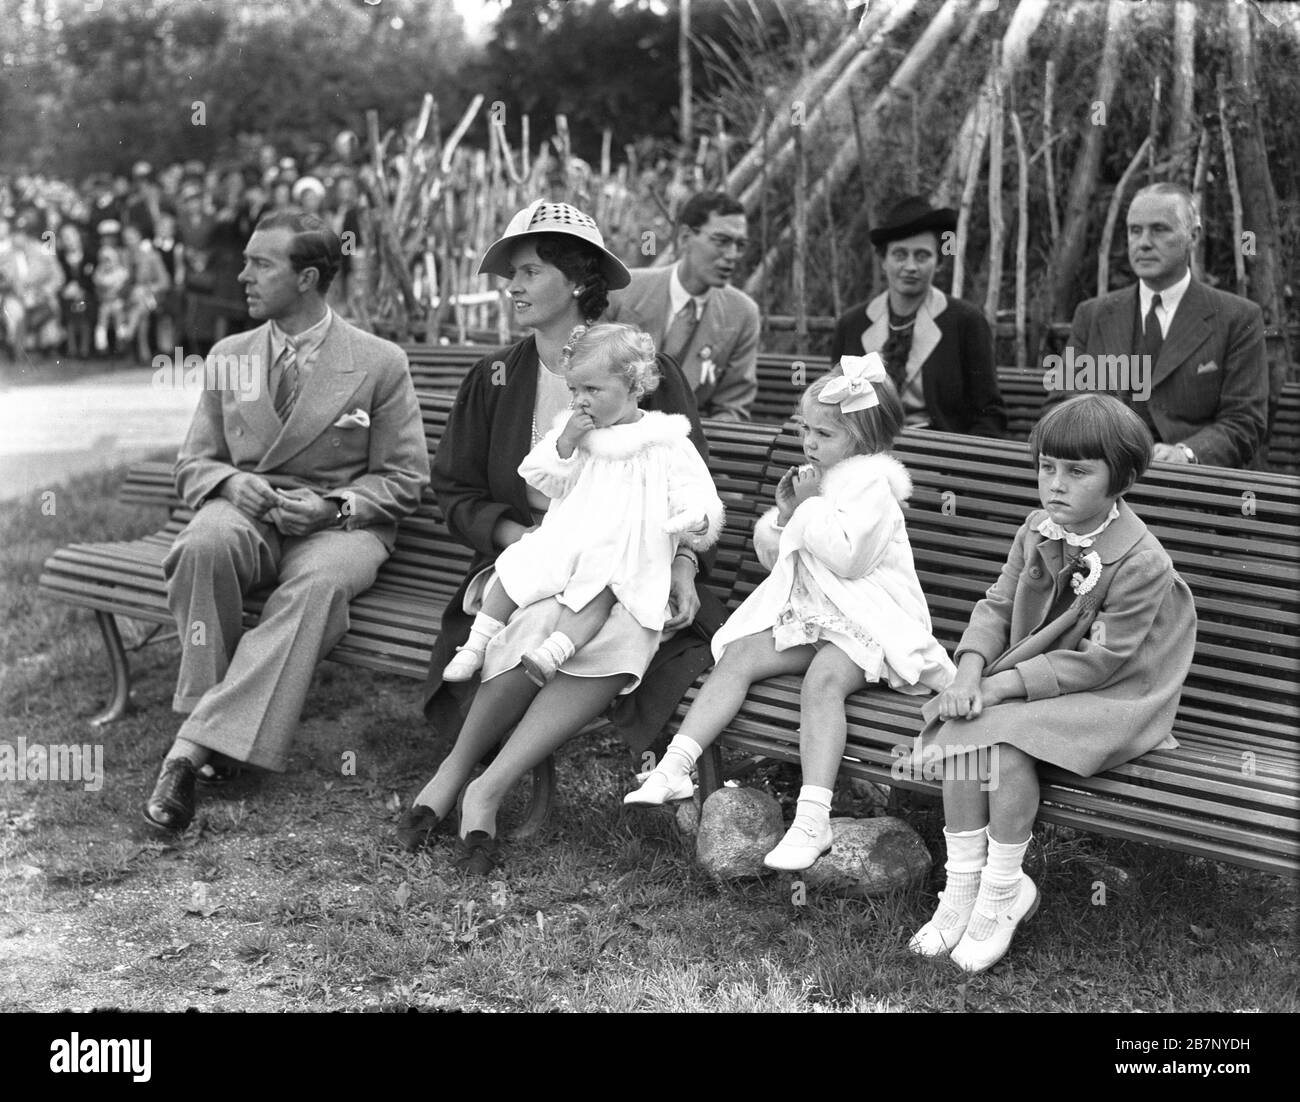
{"points": [[1096, 426], [874, 429], [623, 350]]}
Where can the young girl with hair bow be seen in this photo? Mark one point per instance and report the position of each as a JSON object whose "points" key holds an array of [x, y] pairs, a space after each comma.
{"points": [[842, 604]]}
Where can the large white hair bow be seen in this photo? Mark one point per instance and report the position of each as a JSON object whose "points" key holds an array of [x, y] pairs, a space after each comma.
{"points": [[855, 390]]}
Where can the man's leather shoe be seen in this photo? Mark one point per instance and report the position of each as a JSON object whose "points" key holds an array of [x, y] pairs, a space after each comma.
{"points": [[173, 795]]}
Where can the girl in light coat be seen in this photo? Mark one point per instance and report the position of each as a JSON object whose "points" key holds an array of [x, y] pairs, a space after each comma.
{"points": [[842, 605]]}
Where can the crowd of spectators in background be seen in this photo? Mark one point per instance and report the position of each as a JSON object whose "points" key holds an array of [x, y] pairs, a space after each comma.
{"points": [[130, 266]]}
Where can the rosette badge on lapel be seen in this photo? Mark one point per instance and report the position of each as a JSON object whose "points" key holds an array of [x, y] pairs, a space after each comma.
{"points": [[856, 390], [708, 369]]}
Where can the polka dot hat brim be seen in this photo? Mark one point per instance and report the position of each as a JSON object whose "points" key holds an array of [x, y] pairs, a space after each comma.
{"points": [[543, 216]]}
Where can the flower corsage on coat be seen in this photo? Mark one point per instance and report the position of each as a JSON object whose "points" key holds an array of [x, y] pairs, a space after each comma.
{"points": [[1084, 576]]}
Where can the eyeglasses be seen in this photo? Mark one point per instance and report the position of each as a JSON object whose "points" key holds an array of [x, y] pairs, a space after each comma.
{"points": [[724, 242]]}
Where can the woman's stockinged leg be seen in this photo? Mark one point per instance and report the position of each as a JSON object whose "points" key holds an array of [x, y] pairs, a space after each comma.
{"points": [[554, 715], [498, 706], [823, 728]]}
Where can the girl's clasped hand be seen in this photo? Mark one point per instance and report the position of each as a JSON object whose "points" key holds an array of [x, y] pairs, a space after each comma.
{"points": [[797, 485]]}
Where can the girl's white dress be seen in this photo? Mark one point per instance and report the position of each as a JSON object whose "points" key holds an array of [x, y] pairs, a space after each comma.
{"points": [[842, 572], [620, 506]]}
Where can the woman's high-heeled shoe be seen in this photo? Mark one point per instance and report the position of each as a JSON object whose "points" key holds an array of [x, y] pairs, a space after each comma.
{"points": [[417, 826], [477, 853]]}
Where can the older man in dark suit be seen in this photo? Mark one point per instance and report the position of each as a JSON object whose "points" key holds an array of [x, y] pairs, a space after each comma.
{"points": [[306, 450], [1203, 392]]}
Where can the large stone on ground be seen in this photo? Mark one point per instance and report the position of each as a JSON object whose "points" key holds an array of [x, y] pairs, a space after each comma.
{"points": [[738, 828], [869, 857]]}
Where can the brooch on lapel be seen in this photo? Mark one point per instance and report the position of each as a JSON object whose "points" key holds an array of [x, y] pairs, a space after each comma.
{"points": [[708, 369]]}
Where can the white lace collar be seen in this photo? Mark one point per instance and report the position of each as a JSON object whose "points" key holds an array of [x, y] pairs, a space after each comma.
{"points": [[1053, 531]]}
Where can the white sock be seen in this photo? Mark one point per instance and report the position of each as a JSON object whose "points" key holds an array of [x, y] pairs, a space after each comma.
{"points": [[814, 807], [967, 856], [482, 631], [680, 757], [999, 886], [559, 646]]}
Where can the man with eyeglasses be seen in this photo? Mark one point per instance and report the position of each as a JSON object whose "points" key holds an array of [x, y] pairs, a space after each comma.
{"points": [[692, 312]]}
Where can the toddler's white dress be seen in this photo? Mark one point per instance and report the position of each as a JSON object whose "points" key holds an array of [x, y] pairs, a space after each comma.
{"points": [[620, 506]]}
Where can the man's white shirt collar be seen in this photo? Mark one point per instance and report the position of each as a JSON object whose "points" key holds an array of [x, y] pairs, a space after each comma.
{"points": [[678, 296], [308, 341], [1170, 297]]}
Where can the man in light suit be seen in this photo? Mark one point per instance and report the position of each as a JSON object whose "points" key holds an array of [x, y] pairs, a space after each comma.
{"points": [[299, 476], [1208, 381], [692, 312]]}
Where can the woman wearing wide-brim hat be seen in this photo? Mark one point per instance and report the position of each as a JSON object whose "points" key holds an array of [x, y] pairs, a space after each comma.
{"points": [[938, 350], [558, 272]]}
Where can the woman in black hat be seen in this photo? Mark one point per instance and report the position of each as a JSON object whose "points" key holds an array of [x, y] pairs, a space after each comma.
{"points": [[938, 350], [559, 272]]}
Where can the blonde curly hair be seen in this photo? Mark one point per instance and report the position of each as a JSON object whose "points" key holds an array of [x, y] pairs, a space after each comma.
{"points": [[623, 350]]}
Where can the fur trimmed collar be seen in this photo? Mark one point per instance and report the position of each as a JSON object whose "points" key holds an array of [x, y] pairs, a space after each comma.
{"points": [[624, 441], [849, 474]]}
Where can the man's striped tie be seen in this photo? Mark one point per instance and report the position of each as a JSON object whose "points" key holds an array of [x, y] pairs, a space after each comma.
{"points": [[286, 390]]}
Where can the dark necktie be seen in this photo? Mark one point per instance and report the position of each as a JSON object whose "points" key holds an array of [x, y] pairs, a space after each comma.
{"points": [[286, 390], [680, 331], [1152, 338]]}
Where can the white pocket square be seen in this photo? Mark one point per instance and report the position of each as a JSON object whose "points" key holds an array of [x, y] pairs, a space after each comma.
{"points": [[1206, 368], [357, 419]]}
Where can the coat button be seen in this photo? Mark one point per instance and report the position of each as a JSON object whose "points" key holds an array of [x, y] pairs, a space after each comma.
{"points": [[237, 431], [334, 441], [1035, 572]]}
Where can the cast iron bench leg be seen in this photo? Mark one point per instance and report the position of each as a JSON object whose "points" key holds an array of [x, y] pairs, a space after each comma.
{"points": [[539, 805], [710, 770], [120, 704]]}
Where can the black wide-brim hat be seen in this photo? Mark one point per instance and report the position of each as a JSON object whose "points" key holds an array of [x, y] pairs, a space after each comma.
{"points": [[911, 216]]}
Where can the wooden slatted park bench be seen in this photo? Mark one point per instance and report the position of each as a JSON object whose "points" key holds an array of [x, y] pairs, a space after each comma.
{"points": [[1231, 791]]}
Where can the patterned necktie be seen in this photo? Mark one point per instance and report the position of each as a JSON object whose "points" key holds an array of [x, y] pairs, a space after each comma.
{"points": [[680, 331], [1152, 338], [286, 390]]}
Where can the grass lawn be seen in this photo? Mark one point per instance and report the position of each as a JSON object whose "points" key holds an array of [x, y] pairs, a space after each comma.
{"points": [[288, 893]]}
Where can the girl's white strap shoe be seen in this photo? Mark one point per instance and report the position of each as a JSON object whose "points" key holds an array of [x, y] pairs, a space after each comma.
{"points": [[464, 665], [800, 848], [939, 936], [976, 956], [657, 788]]}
